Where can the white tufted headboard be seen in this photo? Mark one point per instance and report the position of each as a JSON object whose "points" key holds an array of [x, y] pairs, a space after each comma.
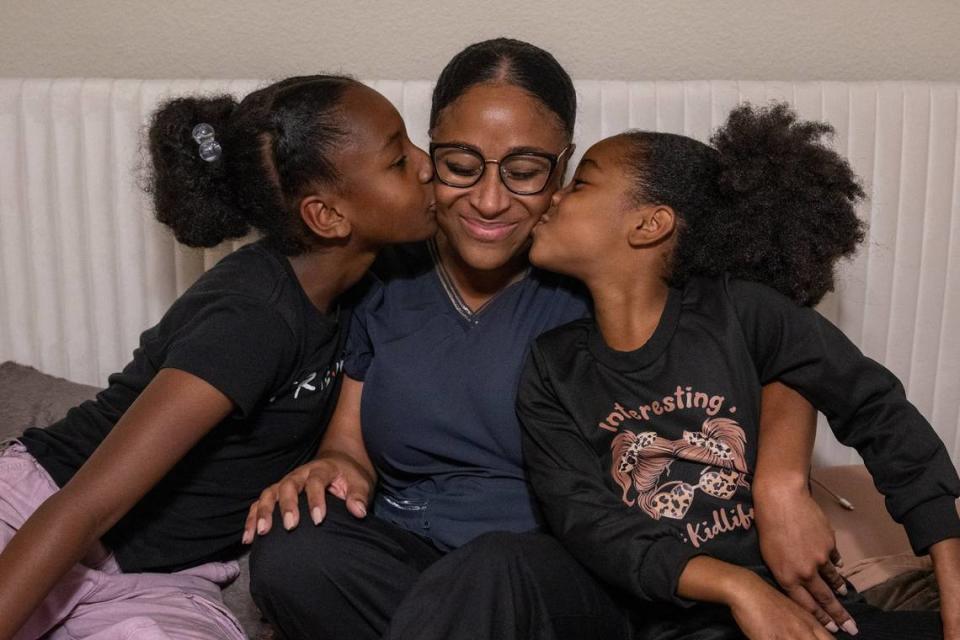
{"points": [[84, 268]]}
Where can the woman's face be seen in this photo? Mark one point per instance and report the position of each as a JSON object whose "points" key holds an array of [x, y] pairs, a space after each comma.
{"points": [[586, 225], [386, 178], [487, 225]]}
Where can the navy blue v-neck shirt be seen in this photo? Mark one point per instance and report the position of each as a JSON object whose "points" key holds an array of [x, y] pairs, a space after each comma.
{"points": [[440, 383]]}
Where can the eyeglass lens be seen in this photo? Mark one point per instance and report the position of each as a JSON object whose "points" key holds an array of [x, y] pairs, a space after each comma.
{"points": [[520, 173]]}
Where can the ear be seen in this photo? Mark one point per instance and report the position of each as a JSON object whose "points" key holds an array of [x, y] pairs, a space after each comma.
{"points": [[322, 217], [652, 225]]}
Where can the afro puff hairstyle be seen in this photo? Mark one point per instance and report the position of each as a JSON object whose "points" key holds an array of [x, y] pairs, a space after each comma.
{"points": [[766, 201]]}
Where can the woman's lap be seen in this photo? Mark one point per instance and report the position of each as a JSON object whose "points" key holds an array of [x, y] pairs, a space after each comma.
{"points": [[343, 578], [366, 578]]}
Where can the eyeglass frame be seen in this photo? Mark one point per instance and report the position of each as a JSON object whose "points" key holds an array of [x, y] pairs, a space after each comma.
{"points": [[553, 158]]}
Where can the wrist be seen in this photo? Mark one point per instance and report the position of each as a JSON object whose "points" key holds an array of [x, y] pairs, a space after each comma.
{"points": [[706, 579], [781, 483], [946, 564], [740, 586]]}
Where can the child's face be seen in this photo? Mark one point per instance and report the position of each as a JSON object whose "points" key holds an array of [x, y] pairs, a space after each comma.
{"points": [[585, 225], [387, 190]]}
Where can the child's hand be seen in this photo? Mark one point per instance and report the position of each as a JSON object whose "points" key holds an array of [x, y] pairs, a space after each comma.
{"points": [[798, 545], [763, 613], [946, 564]]}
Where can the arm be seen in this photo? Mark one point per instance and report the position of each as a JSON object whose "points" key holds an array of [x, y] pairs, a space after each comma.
{"points": [[341, 467], [865, 405], [171, 415], [946, 564], [796, 539], [625, 547], [868, 410], [758, 609]]}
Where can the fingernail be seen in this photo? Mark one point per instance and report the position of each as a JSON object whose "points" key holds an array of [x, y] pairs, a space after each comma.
{"points": [[316, 515], [832, 627], [850, 627], [288, 520], [842, 589], [261, 526], [247, 538], [362, 509]]}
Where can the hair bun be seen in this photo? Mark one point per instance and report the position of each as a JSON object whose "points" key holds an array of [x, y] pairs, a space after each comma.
{"points": [[188, 185]]}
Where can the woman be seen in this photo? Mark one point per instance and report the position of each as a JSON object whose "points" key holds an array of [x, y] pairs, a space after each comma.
{"points": [[115, 521], [436, 351]]}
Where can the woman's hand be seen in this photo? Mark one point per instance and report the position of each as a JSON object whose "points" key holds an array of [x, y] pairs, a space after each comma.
{"points": [[332, 472], [763, 613], [341, 467], [796, 540], [798, 545], [946, 564]]}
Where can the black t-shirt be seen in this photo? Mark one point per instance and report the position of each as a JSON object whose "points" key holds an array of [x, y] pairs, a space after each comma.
{"points": [[247, 328], [644, 459]]}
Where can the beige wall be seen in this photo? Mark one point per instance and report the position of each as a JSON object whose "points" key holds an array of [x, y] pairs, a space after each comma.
{"points": [[666, 39]]}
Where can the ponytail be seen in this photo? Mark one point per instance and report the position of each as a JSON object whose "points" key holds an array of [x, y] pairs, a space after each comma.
{"points": [[767, 202], [272, 147], [190, 194]]}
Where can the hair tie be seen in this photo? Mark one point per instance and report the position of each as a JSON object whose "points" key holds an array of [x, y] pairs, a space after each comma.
{"points": [[210, 149]]}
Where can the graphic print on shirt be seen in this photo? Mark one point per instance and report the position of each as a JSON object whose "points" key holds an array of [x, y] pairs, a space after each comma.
{"points": [[310, 383], [641, 461]]}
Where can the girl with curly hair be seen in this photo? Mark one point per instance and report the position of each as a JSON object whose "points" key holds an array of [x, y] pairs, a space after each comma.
{"points": [[641, 424], [122, 519]]}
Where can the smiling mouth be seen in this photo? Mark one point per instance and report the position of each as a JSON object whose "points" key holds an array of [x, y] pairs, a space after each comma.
{"points": [[487, 231]]}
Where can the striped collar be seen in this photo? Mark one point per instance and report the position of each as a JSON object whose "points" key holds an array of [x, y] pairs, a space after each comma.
{"points": [[453, 294]]}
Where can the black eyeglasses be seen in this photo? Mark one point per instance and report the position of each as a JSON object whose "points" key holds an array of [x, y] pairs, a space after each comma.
{"points": [[525, 173]]}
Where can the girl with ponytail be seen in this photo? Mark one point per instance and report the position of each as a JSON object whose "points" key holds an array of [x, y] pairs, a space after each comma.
{"points": [[122, 519], [641, 424]]}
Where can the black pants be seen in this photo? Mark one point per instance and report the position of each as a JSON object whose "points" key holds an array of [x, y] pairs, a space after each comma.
{"points": [[358, 579]]}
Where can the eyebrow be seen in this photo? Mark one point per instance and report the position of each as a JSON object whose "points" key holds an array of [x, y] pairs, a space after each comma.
{"points": [[584, 163], [392, 139], [510, 151]]}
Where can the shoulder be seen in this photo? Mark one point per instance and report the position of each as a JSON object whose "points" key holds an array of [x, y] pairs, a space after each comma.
{"points": [[760, 300], [253, 288], [712, 291], [253, 272], [563, 341]]}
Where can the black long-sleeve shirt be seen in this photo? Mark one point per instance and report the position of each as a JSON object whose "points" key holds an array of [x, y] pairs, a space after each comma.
{"points": [[643, 459]]}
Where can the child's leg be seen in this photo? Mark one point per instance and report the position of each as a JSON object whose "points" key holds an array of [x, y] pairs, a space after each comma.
{"points": [[877, 624], [24, 486], [155, 606], [95, 598], [508, 585]]}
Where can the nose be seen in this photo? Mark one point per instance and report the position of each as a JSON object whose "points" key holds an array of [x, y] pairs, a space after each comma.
{"points": [[489, 196], [424, 165]]}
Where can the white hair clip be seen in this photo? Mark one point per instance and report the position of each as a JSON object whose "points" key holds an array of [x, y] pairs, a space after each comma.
{"points": [[210, 150]]}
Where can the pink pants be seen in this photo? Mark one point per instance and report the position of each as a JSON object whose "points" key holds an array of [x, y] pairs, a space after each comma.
{"points": [[96, 600]]}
